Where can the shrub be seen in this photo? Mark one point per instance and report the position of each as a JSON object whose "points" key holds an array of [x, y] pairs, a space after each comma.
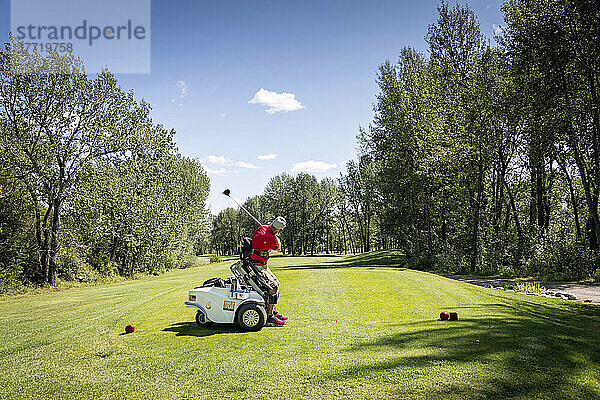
{"points": [[558, 259], [189, 261]]}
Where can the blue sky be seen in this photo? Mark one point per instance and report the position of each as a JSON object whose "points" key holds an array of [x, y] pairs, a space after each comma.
{"points": [[210, 58]]}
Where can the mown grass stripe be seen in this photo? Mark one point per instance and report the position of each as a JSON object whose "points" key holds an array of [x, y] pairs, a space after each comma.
{"points": [[368, 332]]}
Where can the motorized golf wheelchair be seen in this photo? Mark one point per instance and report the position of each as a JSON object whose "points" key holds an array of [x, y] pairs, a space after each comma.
{"points": [[240, 298]]}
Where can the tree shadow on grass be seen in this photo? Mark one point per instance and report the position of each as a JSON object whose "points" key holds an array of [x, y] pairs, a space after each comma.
{"points": [[333, 266], [375, 259], [315, 266], [284, 256], [534, 350]]}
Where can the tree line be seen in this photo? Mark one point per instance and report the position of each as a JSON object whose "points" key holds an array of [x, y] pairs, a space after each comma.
{"points": [[89, 184], [306, 204], [481, 158], [330, 215], [487, 156]]}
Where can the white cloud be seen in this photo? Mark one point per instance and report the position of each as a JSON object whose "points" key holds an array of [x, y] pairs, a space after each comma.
{"points": [[277, 102], [225, 163], [219, 160], [498, 30], [220, 171], [223, 115], [243, 164], [270, 156], [183, 88], [312, 166], [183, 91]]}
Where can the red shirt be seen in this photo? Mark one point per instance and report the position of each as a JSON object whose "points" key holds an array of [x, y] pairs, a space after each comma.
{"points": [[264, 239]]}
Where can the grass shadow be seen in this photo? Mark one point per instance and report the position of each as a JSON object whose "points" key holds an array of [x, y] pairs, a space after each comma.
{"points": [[534, 350], [333, 266], [315, 266], [381, 258], [319, 255], [374, 259]]}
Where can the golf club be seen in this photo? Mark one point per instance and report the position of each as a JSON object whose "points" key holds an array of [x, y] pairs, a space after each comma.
{"points": [[226, 192]]}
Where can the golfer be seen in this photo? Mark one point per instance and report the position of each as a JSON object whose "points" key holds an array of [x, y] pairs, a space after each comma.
{"points": [[263, 241]]}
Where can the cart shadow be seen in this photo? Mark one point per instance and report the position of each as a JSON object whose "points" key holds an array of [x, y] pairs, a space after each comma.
{"points": [[192, 329]]}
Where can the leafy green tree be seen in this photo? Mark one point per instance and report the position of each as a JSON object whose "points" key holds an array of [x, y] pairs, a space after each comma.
{"points": [[226, 232], [309, 206], [360, 192], [555, 54], [15, 235], [143, 214], [57, 125]]}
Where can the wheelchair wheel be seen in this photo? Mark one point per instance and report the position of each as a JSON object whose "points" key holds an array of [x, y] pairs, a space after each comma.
{"points": [[251, 317], [202, 320]]}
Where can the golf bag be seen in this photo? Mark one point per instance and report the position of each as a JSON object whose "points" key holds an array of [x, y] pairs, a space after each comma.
{"points": [[246, 248], [248, 274], [216, 282]]}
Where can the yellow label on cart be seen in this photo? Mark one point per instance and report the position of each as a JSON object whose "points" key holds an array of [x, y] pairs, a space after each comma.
{"points": [[229, 305]]}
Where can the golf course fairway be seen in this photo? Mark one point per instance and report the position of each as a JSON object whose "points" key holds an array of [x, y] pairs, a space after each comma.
{"points": [[357, 329]]}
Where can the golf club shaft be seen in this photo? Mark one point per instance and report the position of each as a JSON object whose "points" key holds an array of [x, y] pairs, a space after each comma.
{"points": [[244, 208]]}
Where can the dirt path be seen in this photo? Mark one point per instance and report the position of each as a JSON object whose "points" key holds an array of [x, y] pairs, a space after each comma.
{"points": [[582, 292]]}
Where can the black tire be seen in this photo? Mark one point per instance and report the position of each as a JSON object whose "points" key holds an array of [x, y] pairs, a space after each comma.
{"points": [[251, 317], [202, 320]]}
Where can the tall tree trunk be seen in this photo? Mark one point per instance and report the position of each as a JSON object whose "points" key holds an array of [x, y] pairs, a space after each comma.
{"points": [[590, 228], [428, 221], [443, 234], [475, 235], [539, 194], [573, 199], [595, 127], [591, 200], [52, 268], [511, 197], [350, 241], [415, 249], [367, 211], [44, 249], [41, 233], [532, 193], [499, 198], [344, 236]]}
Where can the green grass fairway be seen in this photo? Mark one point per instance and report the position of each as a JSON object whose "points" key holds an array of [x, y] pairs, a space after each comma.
{"points": [[369, 331]]}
